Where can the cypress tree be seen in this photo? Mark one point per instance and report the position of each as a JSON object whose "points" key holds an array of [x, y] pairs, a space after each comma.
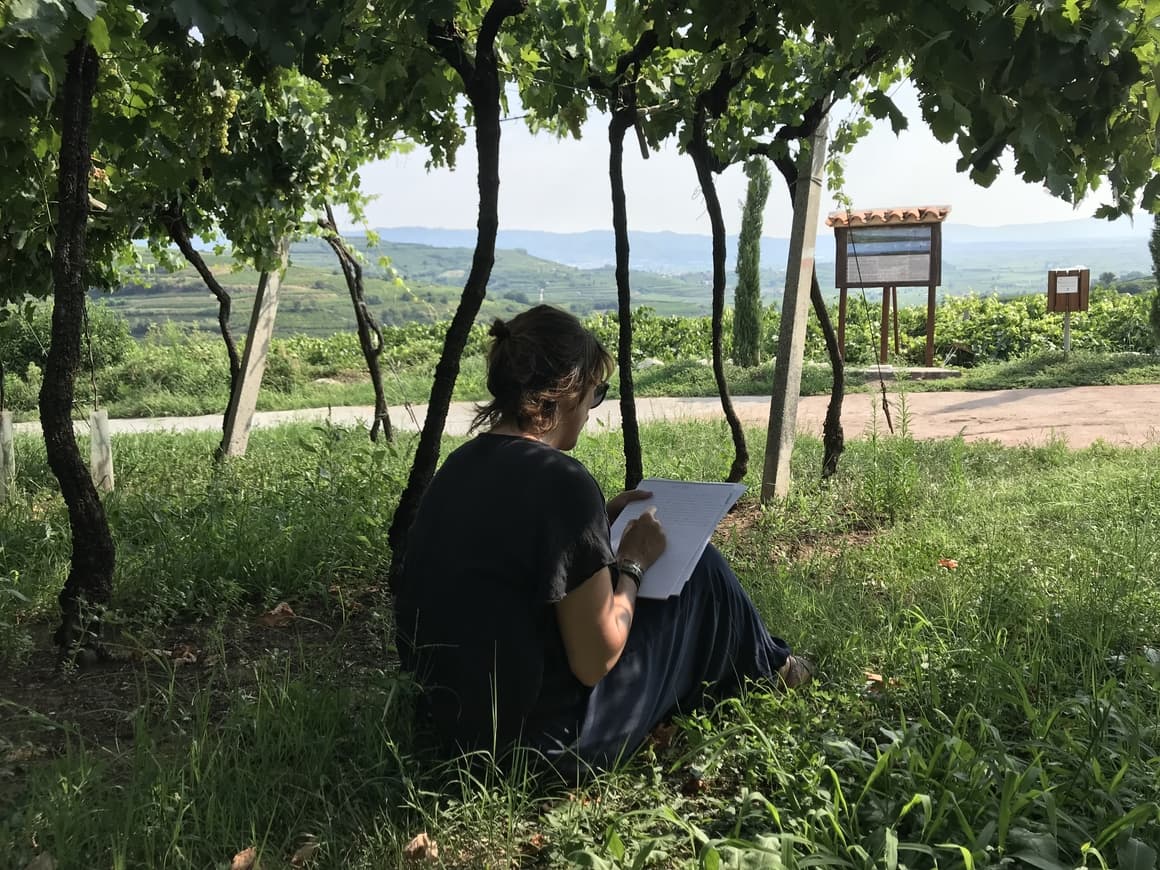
{"points": [[1154, 248], [747, 296]]}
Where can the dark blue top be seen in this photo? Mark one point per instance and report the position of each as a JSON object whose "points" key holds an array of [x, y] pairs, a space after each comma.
{"points": [[506, 529]]}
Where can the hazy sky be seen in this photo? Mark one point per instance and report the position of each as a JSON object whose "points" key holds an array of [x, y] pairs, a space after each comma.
{"points": [[562, 185]]}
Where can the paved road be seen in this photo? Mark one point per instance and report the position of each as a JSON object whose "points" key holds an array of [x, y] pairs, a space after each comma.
{"points": [[1081, 415]]}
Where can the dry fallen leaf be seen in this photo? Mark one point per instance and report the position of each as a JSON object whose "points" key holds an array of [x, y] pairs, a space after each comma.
{"points": [[876, 682], [43, 861], [22, 753], [305, 854], [421, 848], [247, 859], [662, 736], [534, 845], [949, 564], [279, 617], [185, 654], [583, 799], [694, 785]]}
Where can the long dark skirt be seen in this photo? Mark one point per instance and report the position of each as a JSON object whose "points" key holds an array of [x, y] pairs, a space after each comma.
{"points": [[707, 641]]}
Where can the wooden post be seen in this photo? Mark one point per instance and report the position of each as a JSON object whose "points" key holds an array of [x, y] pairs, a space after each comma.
{"points": [[884, 332], [100, 451], [894, 302], [842, 323], [237, 429], [791, 340], [930, 326], [7, 456]]}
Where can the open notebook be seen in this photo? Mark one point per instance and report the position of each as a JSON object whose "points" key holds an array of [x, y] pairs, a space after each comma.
{"points": [[688, 512]]}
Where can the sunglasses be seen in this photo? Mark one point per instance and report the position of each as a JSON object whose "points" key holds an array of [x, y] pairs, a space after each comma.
{"points": [[598, 394]]}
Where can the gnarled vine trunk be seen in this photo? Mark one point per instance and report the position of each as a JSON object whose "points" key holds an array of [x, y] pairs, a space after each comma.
{"points": [[621, 90], [833, 438], [370, 334], [622, 120], [90, 579], [702, 159], [481, 81], [179, 232]]}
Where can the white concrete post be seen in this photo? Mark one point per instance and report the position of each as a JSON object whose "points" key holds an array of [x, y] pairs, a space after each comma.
{"points": [[7, 456], [791, 340], [101, 451], [241, 415]]}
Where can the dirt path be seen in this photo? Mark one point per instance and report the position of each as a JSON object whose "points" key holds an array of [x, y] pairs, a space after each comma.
{"points": [[1080, 415]]}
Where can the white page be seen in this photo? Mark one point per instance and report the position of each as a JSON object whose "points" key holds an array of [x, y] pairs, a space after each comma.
{"points": [[688, 513]]}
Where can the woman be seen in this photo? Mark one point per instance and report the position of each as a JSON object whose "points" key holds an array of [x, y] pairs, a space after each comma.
{"points": [[518, 619]]}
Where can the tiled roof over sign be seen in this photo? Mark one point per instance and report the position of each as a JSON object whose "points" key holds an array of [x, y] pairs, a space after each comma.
{"points": [[880, 217]]}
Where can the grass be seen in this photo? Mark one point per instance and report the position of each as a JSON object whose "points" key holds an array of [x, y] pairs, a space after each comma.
{"points": [[1009, 719], [1055, 369]]}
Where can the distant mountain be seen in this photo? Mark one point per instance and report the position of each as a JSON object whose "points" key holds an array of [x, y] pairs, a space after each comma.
{"points": [[976, 259], [678, 253], [664, 252], [1087, 230]]}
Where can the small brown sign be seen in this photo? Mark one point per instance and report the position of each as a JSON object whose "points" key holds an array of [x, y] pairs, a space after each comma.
{"points": [[1067, 289]]}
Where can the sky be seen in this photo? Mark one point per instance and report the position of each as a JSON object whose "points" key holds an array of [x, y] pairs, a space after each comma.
{"points": [[562, 185]]}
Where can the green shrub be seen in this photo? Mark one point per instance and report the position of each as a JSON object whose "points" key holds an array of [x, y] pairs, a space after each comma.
{"points": [[195, 369], [25, 336], [1154, 317], [22, 394], [283, 370]]}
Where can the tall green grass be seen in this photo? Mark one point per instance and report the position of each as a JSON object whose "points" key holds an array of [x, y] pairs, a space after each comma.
{"points": [[1016, 721]]}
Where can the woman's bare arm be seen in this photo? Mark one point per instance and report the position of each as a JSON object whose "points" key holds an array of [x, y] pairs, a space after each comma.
{"points": [[595, 618]]}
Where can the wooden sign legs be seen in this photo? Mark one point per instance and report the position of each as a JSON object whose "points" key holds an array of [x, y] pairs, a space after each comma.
{"points": [[929, 357]]}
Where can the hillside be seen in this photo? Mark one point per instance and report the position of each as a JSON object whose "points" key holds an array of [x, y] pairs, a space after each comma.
{"points": [[574, 271], [315, 299]]}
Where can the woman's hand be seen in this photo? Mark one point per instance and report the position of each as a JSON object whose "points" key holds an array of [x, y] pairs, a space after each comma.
{"points": [[618, 503], [644, 539]]}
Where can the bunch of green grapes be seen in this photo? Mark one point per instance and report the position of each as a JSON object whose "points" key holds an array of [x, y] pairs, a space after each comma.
{"points": [[224, 109]]}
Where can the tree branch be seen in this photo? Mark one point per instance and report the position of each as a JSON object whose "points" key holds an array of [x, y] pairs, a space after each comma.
{"points": [[370, 335], [493, 19], [622, 93], [788, 169], [701, 154], [447, 40], [644, 47], [811, 117], [178, 228], [180, 234]]}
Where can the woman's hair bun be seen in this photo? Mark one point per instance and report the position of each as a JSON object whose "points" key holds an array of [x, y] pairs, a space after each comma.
{"points": [[499, 329]]}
